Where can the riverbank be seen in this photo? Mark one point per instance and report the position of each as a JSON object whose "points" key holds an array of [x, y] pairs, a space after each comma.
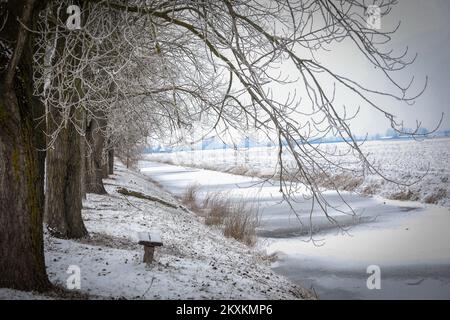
{"points": [[195, 262]]}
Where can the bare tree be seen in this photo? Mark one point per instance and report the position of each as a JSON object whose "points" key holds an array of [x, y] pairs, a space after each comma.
{"points": [[75, 80], [60, 56], [253, 39], [22, 263]]}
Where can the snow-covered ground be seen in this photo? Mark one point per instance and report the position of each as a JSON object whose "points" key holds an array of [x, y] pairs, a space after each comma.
{"points": [[408, 240], [403, 161], [195, 262]]}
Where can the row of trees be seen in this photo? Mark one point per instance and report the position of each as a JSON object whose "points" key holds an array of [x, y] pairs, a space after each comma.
{"points": [[70, 100]]}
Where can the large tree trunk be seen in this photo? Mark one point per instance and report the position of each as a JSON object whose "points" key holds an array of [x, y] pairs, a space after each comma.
{"points": [[63, 184], [22, 264], [94, 170]]}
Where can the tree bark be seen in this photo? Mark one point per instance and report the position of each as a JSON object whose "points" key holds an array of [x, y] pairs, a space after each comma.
{"points": [[63, 184], [111, 161], [105, 167], [96, 140], [22, 264]]}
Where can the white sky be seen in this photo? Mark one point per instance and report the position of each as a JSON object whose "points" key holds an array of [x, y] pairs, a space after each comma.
{"points": [[425, 29]]}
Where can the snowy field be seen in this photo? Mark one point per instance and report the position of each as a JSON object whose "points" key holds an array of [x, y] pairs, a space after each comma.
{"points": [[195, 262], [405, 161]]}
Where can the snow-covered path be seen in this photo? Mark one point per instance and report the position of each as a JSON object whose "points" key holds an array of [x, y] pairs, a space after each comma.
{"points": [[410, 242]]}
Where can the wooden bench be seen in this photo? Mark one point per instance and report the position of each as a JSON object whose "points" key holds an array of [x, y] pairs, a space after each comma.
{"points": [[149, 240]]}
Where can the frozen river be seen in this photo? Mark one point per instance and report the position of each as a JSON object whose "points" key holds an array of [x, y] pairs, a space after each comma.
{"points": [[409, 242]]}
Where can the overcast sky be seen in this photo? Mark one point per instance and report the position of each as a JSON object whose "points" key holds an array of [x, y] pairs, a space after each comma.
{"points": [[425, 29]]}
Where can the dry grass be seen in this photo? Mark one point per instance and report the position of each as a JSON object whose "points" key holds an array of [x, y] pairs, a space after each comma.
{"points": [[189, 197], [235, 217], [239, 170], [215, 208], [405, 196], [371, 189], [167, 161], [434, 197], [271, 258], [339, 181], [241, 222]]}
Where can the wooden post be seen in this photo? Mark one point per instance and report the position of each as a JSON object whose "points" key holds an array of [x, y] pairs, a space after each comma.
{"points": [[148, 254], [149, 241]]}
